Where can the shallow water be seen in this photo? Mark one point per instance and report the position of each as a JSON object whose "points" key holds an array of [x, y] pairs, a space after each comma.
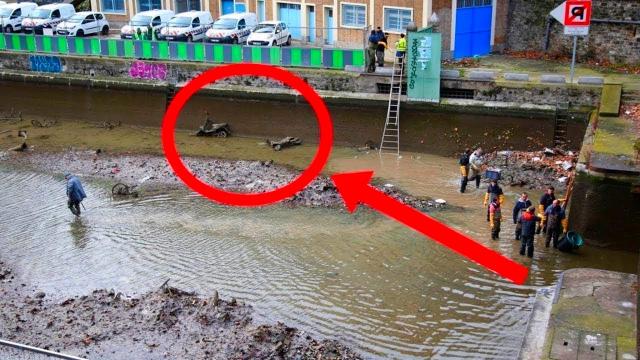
{"points": [[360, 278]]}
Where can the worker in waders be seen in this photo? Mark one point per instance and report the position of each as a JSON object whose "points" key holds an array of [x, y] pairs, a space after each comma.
{"points": [[495, 218], [528, 221], [494, 191], [522, 204], [75, 193], [464, 169], [555, 225], [545, 201], [371, 51], [476, 162]]}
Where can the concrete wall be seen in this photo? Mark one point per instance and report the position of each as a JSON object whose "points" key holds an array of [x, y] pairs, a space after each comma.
{"points": [[612, 42]]}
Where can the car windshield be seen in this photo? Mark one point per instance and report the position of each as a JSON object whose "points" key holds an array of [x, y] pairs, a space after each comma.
{"points": [[6, 11], [141, 20], [225, 24], [77, 18], [40, 14], [264, 28], [180, 22]]}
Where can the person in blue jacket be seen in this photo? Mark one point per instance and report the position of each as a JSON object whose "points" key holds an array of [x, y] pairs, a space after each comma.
{"points": [[521, 206], [75, 193]]}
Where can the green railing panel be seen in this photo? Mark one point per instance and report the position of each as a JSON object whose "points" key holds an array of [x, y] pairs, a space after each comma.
{"points": [[256, 55], [79, 43], [163, 49], [31, 43], [47, 43], [218, 53], [15, 42], [198, 52], [63, 46], [182, 51], [95, 46], [338, 59], [3, 45], [296, 57], [129, 49], [316, 57], [147, 51], [236, 53], [112, 45], [274, 55], [358, 58]]}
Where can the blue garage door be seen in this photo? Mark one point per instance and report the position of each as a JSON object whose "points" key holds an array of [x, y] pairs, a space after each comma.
{"points": [[290, 15], [473, 28], [227, 7]]}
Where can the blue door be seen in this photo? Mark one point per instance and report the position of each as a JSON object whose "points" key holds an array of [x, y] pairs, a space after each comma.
{"points": [[290, 15], [329, 26], [261, 14], [311, 23], [227, 7], [473, 28]]}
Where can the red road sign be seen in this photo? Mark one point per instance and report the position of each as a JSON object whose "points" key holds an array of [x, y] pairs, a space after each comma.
{"points": [[577, 13]]}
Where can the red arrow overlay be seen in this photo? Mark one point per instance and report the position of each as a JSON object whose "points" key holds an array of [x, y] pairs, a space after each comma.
{"points": [[354, 188]]}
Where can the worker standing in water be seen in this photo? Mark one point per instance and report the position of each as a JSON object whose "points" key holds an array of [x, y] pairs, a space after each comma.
{"points": [[554, 215], [75, 193], [545, 201], [495, 218], [464, 169], [528, 222], [494, 192], [476, 162], [522, 204]]}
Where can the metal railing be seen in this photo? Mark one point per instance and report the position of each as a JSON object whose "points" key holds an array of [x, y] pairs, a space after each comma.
{"points": [[22, 351]]}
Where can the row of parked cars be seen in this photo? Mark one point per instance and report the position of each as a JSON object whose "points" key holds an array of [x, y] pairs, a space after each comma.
{"points": [[62, 19]]}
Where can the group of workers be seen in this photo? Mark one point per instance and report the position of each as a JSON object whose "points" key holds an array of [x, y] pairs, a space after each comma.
{"points": [[550, 220], [378, 43]]}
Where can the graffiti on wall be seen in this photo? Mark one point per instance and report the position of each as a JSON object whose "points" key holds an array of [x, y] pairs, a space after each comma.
{"points": [[43, 63], [148, 71]]}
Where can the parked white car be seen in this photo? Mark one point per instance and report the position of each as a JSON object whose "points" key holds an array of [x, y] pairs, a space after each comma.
{"points": [[157, 19], [84, 23], [2, 3], [47, 17], [11, 15], [232, 28], [270, 33], [187, 26]]}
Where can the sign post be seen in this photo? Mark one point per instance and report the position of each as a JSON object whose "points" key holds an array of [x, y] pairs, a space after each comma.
{"points": [[575, 15]]}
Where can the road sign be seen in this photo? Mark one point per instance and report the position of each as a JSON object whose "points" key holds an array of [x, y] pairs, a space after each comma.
{"points": [[577, 13], [576, 30]]}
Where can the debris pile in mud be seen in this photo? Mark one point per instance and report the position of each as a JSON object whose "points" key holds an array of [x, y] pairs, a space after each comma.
{"points": [[168, 323], [536, 169], [231, 175]]}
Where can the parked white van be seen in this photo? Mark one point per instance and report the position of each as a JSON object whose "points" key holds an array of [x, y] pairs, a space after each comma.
{"points": [[270, 33], [2, 3], [187, 26], [232, 28], [84, 23], [157, 19], [47, 17], [11, 15]]}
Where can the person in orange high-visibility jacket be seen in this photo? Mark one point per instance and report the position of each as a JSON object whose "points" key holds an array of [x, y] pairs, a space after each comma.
{"points": [[494, 191]]}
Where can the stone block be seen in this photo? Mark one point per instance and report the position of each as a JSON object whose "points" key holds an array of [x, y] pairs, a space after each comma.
{"points": [[516, 77], [482, 75], [565, 343], [590, 80], [352, 68], [553, 79], [450, 74]]}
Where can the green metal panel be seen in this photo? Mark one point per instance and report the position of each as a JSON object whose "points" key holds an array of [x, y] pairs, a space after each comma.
{"points": [[236, 53], [256, 55], [46, 43], [129, 49], [80, 46], [63, 46], [198, 52], [423, 66], [95, 46], [218, 53], [15, 42], [338, 59], [316, 57], [113, 47], [163, 49], [358, 58], [31, 43], [147, 53], [2, 43], [296, 57], [274, 55], [182, 51]]}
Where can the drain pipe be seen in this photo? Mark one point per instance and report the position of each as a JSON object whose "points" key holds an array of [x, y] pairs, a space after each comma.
{"points": [[547, 33], [39, 350]]}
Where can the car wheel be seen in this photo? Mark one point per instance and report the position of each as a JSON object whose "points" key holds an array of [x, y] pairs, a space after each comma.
{"points": [[79, 33], [189, 38], [288, 43], [8, 29], [105, 30], [222, 134], [234, 41], [277, 147], [273, 43]]}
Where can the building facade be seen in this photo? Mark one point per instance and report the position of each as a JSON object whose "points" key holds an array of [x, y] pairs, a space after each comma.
{"points": [[469, 27]]}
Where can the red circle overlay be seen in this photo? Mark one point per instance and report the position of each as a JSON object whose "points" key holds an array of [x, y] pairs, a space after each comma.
{"points": [[250, 199]]}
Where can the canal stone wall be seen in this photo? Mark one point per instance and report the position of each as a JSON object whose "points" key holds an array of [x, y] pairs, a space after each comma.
{"points": [[343, 85]]}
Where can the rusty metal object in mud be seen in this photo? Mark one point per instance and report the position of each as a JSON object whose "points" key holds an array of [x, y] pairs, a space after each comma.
{"points": [[218, 130], [284, 143], [121, 189]]}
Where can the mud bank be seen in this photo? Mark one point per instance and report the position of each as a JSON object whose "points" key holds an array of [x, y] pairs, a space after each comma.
{"points": [[167, 323], [152, 171]]}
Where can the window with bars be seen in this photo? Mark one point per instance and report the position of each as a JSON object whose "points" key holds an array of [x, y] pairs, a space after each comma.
{"points": [[187, 5], [396, 20], [145, 5], [354, 15], [113, 6], [473, 3]]}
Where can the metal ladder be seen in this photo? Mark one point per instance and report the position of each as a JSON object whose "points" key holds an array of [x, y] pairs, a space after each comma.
{"points": [[560, 126], [390, 142]]}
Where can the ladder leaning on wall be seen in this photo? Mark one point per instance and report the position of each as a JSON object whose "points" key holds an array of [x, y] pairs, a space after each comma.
{"points": [[390, 142]]}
